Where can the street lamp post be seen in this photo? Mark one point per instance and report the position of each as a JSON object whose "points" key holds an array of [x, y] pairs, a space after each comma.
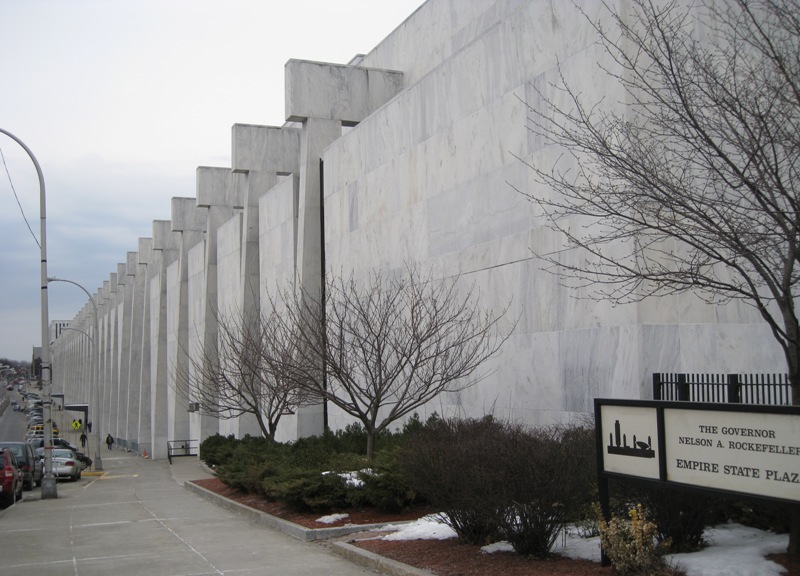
{"points": [[49, 485], [96, 408]]}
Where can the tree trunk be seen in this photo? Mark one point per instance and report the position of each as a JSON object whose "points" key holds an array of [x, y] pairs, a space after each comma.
{"points": [[370, 444], [793, 363], [794, 534]]}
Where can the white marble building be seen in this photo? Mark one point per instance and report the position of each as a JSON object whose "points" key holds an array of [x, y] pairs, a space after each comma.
{"points": [[409, 153]]}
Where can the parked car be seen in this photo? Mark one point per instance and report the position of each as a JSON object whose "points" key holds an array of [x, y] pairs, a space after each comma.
{"points": [[38, 430], [85, 461], [11, 481], [65, 463], [28, 463]]}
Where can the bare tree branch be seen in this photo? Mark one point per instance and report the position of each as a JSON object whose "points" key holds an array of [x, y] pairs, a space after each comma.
{"points": [[692, 184], [390, 344], [244, 372]]}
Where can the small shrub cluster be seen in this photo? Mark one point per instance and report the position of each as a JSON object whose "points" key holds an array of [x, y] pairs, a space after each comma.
{"points": [[217, 449], [317, 474], [761, 515], [496, 480], [681, 516], [632, 545]]}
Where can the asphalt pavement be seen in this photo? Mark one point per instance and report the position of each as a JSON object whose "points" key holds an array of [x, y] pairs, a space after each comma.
{"points": [[137, 518]]}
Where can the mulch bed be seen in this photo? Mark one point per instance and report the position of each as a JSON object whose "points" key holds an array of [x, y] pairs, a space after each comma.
{"points": [[306, 519]]}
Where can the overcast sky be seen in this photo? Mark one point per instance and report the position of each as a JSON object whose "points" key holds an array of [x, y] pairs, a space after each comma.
{"points": [[120, 101]]}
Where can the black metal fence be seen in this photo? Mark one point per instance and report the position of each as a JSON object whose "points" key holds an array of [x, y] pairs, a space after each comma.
{"points": [[770, 389], [177, 448]]}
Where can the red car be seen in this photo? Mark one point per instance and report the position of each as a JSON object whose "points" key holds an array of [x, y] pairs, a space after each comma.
{"points": [[11, 477]]}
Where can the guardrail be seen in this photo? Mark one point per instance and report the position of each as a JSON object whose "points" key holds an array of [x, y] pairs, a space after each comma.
{"points": [[176, 448]]}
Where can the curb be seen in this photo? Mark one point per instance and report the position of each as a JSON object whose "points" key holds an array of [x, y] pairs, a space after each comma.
{"points": [[290, 528], [375, 562], [352, 553]]}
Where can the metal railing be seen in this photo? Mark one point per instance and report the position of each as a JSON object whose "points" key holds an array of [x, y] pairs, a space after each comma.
{"points": [[176, 448], [766, 389]]}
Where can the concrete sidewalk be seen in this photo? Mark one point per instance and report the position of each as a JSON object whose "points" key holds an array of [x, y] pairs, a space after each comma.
{"points": [[137, 518]]}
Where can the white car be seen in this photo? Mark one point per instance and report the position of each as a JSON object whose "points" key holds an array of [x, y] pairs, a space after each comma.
{"points": [[65, 463]]}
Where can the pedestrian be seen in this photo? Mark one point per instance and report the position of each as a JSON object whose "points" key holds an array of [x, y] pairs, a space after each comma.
{"points": [[80, 422], [89, 426], [83, 439], [109, 441]]}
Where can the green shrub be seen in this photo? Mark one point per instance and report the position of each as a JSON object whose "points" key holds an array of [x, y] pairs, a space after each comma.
{"points": [[384, 486], [290, 472], [217, 449], [320, 493]]}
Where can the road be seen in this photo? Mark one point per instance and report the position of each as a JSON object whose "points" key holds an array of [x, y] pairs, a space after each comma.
{"points": [[12, 424]]}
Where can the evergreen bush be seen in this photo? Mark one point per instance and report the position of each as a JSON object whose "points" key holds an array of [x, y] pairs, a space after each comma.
{"points": [[297, 473]]}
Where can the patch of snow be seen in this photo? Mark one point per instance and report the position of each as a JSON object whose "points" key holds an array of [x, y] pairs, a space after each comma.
{"points": [[351, 478], [734, 550], [331, 518], [426, 528], [497, 547]]}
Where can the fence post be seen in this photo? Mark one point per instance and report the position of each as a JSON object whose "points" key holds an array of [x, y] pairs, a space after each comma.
{"points": [[656, 386], [734, 393], [683, 388]]}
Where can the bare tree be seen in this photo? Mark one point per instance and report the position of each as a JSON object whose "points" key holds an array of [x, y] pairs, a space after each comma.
{"points": [[244, 372], [694, 185], [380, 349]]}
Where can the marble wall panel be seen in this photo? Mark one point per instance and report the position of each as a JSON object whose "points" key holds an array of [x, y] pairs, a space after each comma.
{"points": [[659, 348], [155, 416], [278, 212], [698, 348], [229, 248], [196, 294], [228, 289], [173, 295]]}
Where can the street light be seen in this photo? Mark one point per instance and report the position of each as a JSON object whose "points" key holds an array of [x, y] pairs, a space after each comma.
{"points": [[97, 410], [49, 485]]}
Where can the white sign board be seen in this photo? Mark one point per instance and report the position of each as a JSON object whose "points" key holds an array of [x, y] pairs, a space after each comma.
{"points": [[744, 452]]}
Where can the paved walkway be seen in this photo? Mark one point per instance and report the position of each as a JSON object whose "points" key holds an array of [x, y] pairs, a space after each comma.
{"points": [[139, 519]]}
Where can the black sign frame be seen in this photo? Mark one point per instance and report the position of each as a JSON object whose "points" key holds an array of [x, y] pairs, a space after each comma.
{"points": [[647, 449]]}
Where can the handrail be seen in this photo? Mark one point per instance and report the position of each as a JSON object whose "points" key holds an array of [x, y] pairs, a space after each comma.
{"points": [[176, 448]]}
